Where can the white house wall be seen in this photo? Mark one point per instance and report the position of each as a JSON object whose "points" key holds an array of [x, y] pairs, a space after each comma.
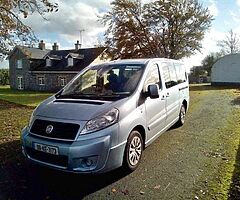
{"points": [[227, 70]]}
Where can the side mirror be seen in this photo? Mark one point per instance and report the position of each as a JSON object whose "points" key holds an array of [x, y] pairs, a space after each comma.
{"points": [[153, 91]]}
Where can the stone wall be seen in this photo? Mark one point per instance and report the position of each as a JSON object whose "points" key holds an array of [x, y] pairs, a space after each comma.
{"points": [[52, 81]]}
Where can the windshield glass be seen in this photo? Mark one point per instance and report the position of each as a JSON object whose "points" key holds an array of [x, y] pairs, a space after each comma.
{"points": [[104, 81]]}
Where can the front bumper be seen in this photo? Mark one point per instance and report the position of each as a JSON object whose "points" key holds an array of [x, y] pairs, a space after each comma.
{"points": [[98, 152]]}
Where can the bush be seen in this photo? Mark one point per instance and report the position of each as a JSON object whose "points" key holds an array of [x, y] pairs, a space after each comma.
{"points": [[4, 77]]}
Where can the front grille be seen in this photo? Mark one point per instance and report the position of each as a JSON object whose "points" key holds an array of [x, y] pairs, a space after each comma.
{"points": [[58, 160], [60, 130]]}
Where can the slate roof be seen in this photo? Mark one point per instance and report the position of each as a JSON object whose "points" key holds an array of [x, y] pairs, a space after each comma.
{"points": [[82, 58], [34, 53]]}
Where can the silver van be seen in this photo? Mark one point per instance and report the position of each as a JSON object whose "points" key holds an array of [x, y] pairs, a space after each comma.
{"points": [[107, 115]]}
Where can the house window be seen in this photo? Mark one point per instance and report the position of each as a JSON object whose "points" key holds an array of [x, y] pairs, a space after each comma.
{"points": [[70, 61], [48, 62], [63, 81], [41, 80], [20, 82], [19, 64]]}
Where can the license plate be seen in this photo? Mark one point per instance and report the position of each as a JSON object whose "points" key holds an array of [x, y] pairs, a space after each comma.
{"points": [[46, 148]]}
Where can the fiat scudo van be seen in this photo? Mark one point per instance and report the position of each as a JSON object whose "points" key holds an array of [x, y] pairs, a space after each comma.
{"points": [[107, 115]]}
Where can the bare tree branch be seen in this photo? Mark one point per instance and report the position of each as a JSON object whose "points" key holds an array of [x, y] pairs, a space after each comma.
{"points": [[12, 30]]}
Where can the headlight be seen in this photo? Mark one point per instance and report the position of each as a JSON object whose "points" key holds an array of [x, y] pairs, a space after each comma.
{"points": [[101, 121]]}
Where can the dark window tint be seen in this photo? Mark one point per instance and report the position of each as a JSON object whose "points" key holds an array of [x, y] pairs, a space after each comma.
{"points": [[181, 72], [166, 75], [153, 76]]}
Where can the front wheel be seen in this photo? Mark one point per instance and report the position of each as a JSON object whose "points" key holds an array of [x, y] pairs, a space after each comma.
{"points": [[133, 151]]}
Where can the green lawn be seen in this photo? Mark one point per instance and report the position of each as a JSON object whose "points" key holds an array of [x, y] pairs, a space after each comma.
{"points": [[27, 98]]}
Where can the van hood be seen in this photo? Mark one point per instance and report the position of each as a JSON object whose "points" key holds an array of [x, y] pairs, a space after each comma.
{"points": [[73, 109]]}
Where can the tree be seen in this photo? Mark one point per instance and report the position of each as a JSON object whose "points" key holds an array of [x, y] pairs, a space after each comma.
{"points": [[198, 71], [12, 29], [209, 61], [171, 29], [230, 45]]}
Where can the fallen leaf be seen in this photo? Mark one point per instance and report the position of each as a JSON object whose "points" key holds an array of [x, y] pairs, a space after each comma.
{"points": [[157, 187], [114, 190]]}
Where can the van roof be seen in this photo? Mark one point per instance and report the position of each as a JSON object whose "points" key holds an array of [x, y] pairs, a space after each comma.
{"points": [[138, 61]]}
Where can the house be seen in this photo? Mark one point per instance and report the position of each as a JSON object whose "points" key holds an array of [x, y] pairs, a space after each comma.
{"points": [[226, 71], [48, 70]]}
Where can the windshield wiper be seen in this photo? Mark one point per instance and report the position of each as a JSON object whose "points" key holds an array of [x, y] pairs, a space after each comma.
{"points": [[75, 95], [115, 95]]}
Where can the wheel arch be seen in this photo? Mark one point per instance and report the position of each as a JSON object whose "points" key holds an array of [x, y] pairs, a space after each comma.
{"points": [[142, 131], [185, 104]]}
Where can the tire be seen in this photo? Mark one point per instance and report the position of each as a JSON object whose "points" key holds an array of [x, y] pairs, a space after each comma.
{"points": [[182, 116], [133, 151]]}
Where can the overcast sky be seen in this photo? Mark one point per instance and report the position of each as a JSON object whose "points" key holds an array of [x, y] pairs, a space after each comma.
{"points": [[74, 15]]}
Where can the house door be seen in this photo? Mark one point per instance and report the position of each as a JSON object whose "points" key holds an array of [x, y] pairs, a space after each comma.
{"points": [[20, 82]]}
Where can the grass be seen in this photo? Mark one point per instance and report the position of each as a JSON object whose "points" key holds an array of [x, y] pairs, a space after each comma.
{"points": [[26, 98], [223, 180]]}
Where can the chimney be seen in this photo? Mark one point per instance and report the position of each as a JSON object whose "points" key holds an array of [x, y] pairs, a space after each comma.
{"points": [[41, 45], [77, 45], [55, 47]]}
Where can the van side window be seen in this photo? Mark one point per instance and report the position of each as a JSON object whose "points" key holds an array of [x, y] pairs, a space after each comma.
{"points": [[173, 74], [170, 75], [153, 76], [166, 75], [181, 72]]}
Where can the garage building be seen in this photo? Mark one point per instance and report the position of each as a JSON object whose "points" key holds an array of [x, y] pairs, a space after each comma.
{"points": [[226, 71]]}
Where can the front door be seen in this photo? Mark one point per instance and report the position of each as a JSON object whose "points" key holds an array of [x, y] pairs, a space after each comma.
{"points": [[155, 108], [20, 82]]}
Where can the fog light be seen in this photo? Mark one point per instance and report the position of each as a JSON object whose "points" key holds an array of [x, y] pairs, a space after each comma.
{"points": [[88, 163]]}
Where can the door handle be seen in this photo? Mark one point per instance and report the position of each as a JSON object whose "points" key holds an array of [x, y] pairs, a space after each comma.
{"points": [[167, 95], [163, 97]]}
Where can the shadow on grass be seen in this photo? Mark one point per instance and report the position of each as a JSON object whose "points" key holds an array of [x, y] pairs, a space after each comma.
{"points": [[22, 180], [236, 101], [5, 105], [234, 192], [202, 87]]}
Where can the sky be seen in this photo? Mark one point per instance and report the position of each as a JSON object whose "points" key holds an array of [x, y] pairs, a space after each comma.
{"points": [[64, 26]]}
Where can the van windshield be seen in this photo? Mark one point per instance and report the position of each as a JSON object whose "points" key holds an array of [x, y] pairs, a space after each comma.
{"points": [[107, 82]]}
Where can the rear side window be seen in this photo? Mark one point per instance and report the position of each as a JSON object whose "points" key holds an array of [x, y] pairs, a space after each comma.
{"points": [[169, 74], [173, 75], [181, 72], [166, 75], [153, 76]]}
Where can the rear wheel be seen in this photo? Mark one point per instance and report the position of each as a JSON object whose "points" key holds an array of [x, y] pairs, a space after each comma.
{"points": [[133, 151], [182, 115]]}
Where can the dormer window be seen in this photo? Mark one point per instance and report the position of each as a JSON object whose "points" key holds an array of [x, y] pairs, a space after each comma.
{"points": [[70, 61], [48, 62]]}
